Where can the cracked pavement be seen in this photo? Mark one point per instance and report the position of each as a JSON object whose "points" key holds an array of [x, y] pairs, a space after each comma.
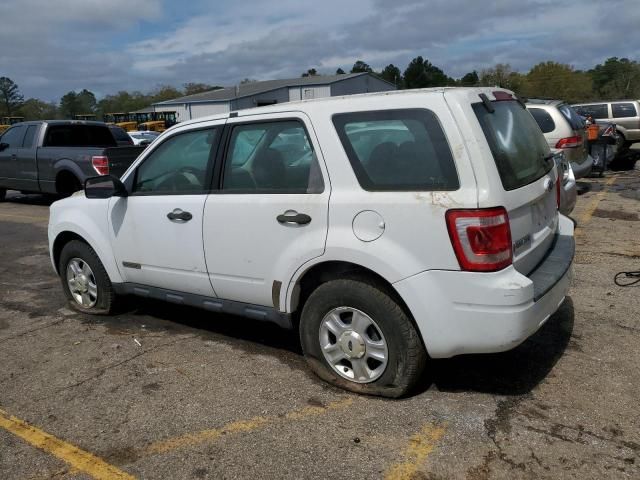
{"points": [[241, 402]]}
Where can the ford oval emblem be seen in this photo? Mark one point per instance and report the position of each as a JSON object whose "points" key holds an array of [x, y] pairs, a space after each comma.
{"points": [[548, 184]]}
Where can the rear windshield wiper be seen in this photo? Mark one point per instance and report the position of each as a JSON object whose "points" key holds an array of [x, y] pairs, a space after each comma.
{"points": [[487, 103]]}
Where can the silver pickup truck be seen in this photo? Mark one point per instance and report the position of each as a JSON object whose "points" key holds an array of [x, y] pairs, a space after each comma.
{"points": [[57, 156]]}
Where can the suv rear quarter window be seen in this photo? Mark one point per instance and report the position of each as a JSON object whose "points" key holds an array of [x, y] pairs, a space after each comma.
{"points": [[623, 110], [397, 150], [543, 119]]}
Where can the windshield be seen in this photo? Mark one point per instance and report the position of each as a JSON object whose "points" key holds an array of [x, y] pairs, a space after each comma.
{"points": [[519, 149]]}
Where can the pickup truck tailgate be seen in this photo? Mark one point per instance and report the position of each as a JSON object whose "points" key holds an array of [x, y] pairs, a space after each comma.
{"points": [[120, 158]]}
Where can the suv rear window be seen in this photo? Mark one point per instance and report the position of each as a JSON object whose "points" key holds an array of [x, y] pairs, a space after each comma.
{"points": [[397, 150], [570, 114], [79, 136], [518, 146]]}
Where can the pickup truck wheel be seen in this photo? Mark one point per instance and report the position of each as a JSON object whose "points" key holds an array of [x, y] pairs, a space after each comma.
{"points": [[356, 336], [84, 280], [3, 194]]}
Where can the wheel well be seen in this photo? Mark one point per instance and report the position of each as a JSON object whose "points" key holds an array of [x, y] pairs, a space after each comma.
{"points": [[67, 182], [327, 271], [59, 243]]}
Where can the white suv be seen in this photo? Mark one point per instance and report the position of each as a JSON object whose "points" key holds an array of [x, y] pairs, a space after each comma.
{"points": [[387, 227]]}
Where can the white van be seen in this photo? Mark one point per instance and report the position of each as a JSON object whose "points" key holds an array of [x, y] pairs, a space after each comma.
{"points": [[388, 227]]}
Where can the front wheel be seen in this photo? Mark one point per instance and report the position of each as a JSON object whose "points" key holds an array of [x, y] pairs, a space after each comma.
{"points": [[356, 336], [84, 280]]}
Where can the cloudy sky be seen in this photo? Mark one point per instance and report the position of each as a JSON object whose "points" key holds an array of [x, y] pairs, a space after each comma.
{"points": [[49, 47]]}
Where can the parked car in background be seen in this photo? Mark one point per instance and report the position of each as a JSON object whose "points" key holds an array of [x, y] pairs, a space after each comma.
{"points": [[140, 137], [624, 113], [120, 135], [439, 237], [565, 131], [57, 156]]}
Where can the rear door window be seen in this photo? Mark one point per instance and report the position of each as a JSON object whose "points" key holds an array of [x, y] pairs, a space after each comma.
{"points": [[623, 110], [543, 119], [519, 149], [397, 150], [596, 111]]}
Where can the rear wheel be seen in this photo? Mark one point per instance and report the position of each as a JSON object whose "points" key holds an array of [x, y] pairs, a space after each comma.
{"points": [[67, 184], [356, 336], [84, 280], [3, 194]]}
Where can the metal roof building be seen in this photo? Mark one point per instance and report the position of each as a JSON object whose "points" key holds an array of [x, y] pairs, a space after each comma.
{"points": [[255, 94]]}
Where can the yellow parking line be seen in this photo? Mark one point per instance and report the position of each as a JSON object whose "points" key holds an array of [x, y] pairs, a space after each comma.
{"points": [[595, 201], [191, 439], [419, 448], [24, 217], [79, 460]]}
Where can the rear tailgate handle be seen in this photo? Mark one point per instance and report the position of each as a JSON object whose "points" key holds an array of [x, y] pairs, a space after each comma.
{"points": [[294, 217], [179, 215]]}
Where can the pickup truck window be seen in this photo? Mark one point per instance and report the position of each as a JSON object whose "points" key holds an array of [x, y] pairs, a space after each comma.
{"points": [[13, 136], [79, 136], [397, 150], [29, 136], [274, 157], [178, 166]]}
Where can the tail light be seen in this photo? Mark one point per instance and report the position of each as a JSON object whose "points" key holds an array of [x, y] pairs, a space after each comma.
{"points": [[100, 164], [569, 142], [481, 238]]}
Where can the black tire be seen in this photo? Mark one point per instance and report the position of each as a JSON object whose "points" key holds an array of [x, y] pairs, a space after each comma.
{"points": [[407, 357], [106, 297], [3, 194]]}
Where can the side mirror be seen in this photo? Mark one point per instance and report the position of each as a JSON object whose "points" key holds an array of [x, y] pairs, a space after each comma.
{"points": [[3, 146], [105, 186]]}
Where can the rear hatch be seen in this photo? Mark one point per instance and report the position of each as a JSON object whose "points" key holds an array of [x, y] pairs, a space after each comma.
{"points": [[120, 158], [579, 130], [527, 187]]}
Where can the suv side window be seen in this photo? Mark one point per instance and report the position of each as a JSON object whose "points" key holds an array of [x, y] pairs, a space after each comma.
{"points": [[271, 157], [596, 111], [397, 150], [623, 110], [543, 119], [180, 165], [13, 137]]}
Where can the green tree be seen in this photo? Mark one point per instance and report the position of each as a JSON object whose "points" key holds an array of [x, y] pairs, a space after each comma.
{"points": [[340, 71], [123, 102], [35, 109], [69, 105], [557, 80], [165, 92], [392, 74], [501, 75], [616, 78], [470, 79], [86, 102], [10, 97], [361, 67], [312, 72], [421, 73], [193, 88]]}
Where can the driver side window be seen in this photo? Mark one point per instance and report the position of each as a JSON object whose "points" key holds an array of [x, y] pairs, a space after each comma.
{"points": [[179, 165]]}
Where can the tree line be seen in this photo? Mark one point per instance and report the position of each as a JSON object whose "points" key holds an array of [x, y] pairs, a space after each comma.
{"points": [[615, 78]]}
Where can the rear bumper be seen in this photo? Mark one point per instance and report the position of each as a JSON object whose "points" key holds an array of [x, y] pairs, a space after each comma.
{"points": [[468, 312], [583, 169]]}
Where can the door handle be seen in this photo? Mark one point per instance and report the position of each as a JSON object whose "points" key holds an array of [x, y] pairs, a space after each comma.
{"points": [[294, 217], [180, 215]]}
